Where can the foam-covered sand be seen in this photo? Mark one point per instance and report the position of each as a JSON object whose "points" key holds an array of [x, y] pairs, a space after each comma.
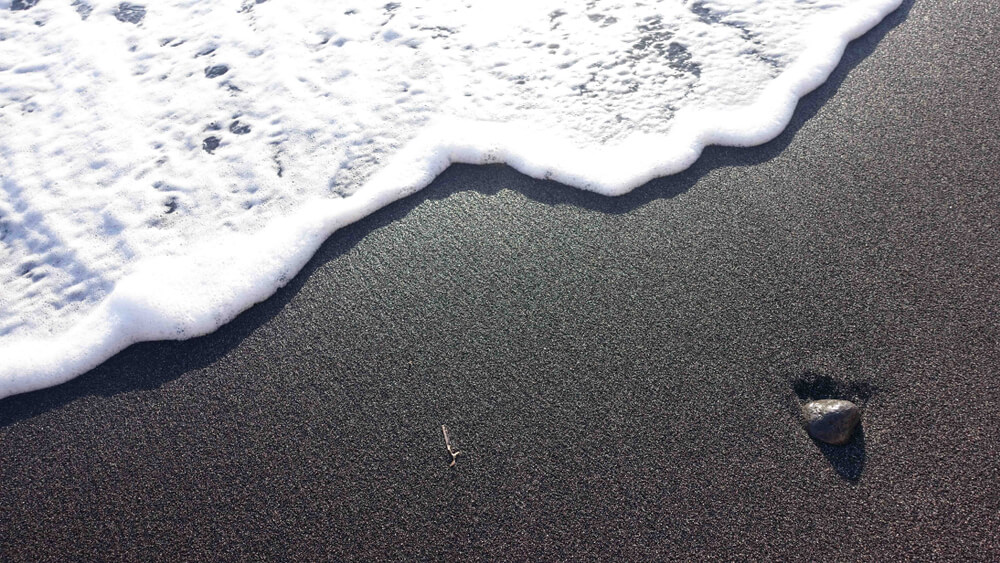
{"points": [[167, 166], [621, 373]]}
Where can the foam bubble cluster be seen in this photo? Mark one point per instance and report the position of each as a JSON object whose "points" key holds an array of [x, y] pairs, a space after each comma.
{"points": [[165, 165]]}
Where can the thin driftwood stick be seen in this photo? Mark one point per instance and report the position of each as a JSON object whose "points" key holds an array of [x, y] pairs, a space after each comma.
{"points": [[447, 443]]}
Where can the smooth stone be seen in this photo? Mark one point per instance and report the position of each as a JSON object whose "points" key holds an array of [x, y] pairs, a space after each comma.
{"points": [[831, 420]]}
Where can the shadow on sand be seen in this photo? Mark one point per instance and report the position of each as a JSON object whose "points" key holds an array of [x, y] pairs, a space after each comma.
{"points": [[847, 460], [149, 365]]}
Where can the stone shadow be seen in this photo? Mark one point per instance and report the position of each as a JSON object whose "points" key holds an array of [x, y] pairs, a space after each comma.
{"points": [[847, 460]]}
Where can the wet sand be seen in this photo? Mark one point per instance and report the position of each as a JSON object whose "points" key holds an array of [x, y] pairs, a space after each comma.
{"points": [[622, 375]]}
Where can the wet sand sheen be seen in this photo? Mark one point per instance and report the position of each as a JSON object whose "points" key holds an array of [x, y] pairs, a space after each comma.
{"points": [[622, 374]]}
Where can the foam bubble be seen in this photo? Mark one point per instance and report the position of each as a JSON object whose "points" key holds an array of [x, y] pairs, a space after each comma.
{"points": [[166, 165]]}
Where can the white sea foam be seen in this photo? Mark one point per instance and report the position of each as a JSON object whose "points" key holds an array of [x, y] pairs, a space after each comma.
{"points": [[166, 166]]}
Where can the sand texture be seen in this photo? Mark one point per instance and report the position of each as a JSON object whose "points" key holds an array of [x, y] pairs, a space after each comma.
{"points": [[622, 375]]}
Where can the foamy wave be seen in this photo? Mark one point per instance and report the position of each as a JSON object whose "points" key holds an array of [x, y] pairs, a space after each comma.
{"points": [[164, 167]]}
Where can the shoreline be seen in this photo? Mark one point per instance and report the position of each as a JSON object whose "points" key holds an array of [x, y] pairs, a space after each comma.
{"points": [[160, 300]]}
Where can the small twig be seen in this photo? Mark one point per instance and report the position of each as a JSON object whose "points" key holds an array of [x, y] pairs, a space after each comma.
{"points": [[447, 444]]}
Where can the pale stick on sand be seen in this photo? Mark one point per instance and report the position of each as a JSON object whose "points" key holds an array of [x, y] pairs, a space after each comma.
{"points": [[447, 443]]}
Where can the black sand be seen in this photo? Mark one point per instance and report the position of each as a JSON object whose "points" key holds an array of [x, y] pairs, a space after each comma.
{"points": [[623, 375]]}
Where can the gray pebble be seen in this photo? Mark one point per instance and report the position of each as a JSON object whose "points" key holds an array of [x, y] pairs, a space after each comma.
{"points": [[831, 420]]}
